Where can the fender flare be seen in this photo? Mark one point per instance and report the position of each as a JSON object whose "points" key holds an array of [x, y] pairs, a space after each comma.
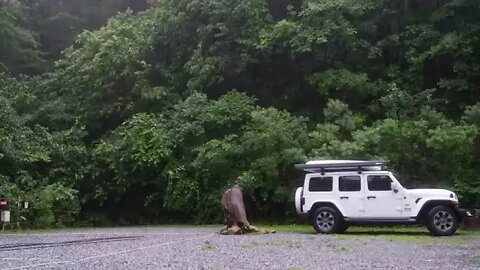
{"points": [[429, 204], [322, 204]]}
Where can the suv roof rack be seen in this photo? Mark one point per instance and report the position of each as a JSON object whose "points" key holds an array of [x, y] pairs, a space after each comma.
{"points": [[340, 165]]}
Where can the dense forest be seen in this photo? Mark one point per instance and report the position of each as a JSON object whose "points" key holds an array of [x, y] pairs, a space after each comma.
{"points": [[144, 112]]}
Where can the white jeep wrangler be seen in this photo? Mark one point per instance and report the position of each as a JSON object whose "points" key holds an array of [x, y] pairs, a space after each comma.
{"points": [[339, 193]]}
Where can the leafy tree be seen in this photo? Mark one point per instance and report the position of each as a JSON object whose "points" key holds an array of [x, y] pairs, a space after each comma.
{"points": [[139, 120], [19, 47], [38, 165]]}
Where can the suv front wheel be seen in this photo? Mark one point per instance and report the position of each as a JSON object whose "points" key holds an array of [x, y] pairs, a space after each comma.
{"points": [[442, 221], [327, 220]]}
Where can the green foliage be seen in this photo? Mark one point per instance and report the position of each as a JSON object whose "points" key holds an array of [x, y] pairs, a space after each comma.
{"points": [[141, 142], [19, 47], [472, 114], [257, 158], [140, 121], [338, 113], [340, 80], [105, 66], [37, 165], [54, 204], [34, 33]]}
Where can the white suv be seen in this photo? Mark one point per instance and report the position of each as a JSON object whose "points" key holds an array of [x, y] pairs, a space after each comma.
{"points": [[339, 193]]}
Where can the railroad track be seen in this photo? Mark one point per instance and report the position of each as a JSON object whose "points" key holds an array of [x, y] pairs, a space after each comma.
{"points": [[23, 246]]}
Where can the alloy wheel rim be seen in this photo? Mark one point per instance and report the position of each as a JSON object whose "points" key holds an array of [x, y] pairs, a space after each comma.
{"points": [[443, 220], [325, 221]]}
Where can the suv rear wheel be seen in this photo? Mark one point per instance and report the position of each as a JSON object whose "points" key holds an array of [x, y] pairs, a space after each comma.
{"points": [[442, 221], [327, 220]]}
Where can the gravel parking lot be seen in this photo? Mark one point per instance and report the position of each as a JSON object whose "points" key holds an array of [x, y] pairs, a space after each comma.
{"points": [[204, 248]]}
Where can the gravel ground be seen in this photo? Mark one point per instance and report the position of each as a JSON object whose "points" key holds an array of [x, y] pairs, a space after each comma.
{"points": [[203, 248]]}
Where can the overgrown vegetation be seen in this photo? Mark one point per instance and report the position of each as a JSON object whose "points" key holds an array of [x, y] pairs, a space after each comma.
{"points": [[150, 117]]}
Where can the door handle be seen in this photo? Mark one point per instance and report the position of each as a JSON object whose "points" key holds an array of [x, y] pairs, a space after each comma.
{"points": [[343, 197], [371, 197]]}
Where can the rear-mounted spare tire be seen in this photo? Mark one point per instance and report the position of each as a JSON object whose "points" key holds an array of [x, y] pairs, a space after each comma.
{"points": [[298, 200]]}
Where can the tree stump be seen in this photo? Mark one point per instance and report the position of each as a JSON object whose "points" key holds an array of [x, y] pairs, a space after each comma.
{"points": [[235, 216]]}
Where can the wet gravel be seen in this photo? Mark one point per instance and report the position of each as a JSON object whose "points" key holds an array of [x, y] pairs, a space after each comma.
{"points": [[204, 248]]}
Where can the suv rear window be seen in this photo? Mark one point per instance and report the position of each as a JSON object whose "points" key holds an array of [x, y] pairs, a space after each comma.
{"points": [[349, 183], [379, 182], [320, 184]]}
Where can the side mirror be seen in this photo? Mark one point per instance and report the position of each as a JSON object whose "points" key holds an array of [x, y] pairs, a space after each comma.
{"points": [[394, 187]]}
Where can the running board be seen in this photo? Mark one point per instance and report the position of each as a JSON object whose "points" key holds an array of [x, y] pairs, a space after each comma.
{"points": [[364, 221]]}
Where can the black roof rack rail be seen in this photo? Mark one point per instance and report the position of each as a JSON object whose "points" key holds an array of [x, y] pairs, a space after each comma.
{"points": [[339, 166]]}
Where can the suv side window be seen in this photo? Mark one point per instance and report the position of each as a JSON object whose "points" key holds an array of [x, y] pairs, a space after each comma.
{"points": [[379, 182], [349, 183], [320, 184]]}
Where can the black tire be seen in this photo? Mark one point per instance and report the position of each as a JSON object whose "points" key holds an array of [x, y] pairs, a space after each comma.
{"points": [[442, 221], [327, 220]]}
